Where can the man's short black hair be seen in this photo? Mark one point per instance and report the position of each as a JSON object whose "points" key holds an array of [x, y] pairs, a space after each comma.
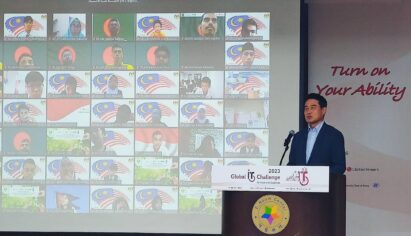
{"points": [[206, 80], [71, 80], [22, 107], [116, 46], [246, 23], [157, 132], [162, 48], [321, 100], [34, 76], [251, 136], [247, 46], [115, 19], [28, 19], [29, 161], [157, 22]]}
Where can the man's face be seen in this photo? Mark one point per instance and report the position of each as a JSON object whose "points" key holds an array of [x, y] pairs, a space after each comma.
{"points": [[67, 57], [97, 137], [157, 27], [201, 113], [208, 25], [26, 61], [205, 86], [313, 113], [25, 145], [75, 28], [71, 89], [113, 83], [156, 116], [161, 58], [62, 199], [29, 170], [28, 25], [24, 115], [250, 142], [67, 170], [118, 55], [114, 28], [247, 57], [86, 138], [252, 29], [34, 89], [157, 141]]}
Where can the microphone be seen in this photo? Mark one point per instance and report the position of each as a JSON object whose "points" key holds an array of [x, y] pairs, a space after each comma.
{"points": [[286, 142], [288, 139]]}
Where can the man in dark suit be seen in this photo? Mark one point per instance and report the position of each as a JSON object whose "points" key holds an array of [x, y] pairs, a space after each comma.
{"points": [[250, 147], [320, 144]]}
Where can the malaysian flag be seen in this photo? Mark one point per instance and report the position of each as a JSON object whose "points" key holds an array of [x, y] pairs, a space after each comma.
{"points": [[14, 167], [151, 82], [146, 24], [250, 82], [193, 168], [15, 25], [235, 23], [146, 196], [106, 196], [234, 53], [190, 110], [107, 167], [58, 81], [55, 167], [105, 110], [101, 81], [113, 138], [237, 140], [11, 110], [146, 109]]}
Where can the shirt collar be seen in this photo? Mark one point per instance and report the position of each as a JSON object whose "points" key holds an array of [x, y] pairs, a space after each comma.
{"points": [[316, 128]]}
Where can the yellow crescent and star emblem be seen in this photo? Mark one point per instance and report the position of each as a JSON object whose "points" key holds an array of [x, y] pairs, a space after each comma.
{"points": [[270, 214]]}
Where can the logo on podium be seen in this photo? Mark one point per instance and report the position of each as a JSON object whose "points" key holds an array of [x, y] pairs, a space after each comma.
{"points": [[270, 214]]}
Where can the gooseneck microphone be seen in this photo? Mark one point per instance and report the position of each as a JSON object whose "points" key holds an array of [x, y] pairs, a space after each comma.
{"points": [[289, 137], [286, 142]]}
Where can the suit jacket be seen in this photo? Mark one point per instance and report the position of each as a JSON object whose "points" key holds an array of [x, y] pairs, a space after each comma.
{"points": [[256, 150], [328, 149]]}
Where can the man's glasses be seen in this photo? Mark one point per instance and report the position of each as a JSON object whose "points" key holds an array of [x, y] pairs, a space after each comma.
{"points": [[208, 19]]}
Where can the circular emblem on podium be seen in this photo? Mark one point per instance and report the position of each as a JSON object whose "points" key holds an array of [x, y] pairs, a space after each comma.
{"points": [[270, 214]]}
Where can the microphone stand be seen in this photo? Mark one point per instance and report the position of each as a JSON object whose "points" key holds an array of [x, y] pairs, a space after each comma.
{"points": [[282, 157]]}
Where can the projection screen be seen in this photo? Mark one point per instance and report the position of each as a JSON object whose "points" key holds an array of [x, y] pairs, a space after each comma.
{"points": [[114, 112]]}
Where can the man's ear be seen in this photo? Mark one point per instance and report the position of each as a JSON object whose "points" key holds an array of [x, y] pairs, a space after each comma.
{"points": [[324, 110]]}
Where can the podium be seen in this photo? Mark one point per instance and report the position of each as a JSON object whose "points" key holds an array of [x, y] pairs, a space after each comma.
{"points": [[310, 213]]}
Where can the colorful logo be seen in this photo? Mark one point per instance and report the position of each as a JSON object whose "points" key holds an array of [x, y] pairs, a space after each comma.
{"points": [[190, 110], [146, 109], [154, 81], [146, 196], [234, 53], [12, 108], [14, 167], [105, 110], [109, 167], [101, 81], [270, 214], [146, 24], [56, 166], [15, 25], [58, 81], [235, 23], [237, 140], [250, 83], [106, 196]]}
